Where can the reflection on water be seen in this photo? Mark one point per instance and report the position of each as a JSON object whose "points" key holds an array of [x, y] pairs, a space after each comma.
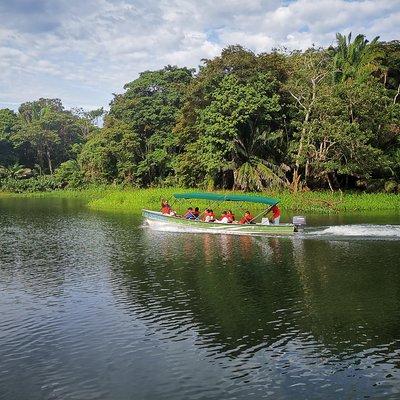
{"points": [[94, 306]]}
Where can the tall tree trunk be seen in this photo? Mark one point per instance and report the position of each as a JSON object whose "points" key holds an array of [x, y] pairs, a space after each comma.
{"points": [[295, 181], [41, 159], [49, 161], [397, 95], [329, 182], [296, 175], [335, 180]]}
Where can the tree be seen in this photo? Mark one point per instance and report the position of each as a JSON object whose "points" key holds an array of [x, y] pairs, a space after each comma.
{"points": [[32, 110], [46, 133], [229, 122], [308, 74], [111, 155], [149, 108], [8, 125], [240, 122], [390, 64], [356, 60], [341, 138], [88, 120]]}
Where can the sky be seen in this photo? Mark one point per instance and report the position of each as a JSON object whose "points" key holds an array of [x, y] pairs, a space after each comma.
{"points": [[83, 51]]}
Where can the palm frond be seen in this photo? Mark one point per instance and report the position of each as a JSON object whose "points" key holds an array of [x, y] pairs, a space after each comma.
{"points": [[257, 174]]}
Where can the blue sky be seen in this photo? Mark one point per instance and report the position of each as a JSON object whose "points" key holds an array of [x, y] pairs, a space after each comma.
{"points": [[82, 51]]}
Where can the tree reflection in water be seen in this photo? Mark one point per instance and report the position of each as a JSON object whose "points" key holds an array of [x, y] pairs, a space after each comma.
{"points": [[243, 292]]}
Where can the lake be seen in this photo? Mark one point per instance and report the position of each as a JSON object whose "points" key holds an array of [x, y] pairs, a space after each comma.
{"points": [[96, 306]]}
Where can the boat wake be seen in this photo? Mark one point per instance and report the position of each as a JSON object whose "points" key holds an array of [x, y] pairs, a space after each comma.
{"points": [[165, 227], [356, 231], [360, 231]]}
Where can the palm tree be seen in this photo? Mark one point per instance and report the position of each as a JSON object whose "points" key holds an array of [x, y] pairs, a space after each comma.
{"points": [[251, 171], [256, 174], [355, 60], [15, 171]]}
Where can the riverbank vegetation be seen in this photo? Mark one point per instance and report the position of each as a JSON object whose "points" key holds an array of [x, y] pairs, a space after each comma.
{"points": [[324, 118], [133, 201]]}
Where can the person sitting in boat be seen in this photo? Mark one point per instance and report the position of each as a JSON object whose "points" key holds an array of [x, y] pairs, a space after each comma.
{"points": [[276, 215], [212, 216], [231, 216], [189, 214], [166, 208], [224, 218], [247, 218], [196, 213], [209, 215]]}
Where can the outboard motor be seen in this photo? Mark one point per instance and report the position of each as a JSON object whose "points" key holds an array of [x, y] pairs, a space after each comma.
{"points": [[299, 223]]}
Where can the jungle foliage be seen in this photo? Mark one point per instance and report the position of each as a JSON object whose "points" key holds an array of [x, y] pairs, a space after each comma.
{"points": [[320, 118]]}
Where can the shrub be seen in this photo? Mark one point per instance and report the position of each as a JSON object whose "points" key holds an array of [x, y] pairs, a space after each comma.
{"points": [[3, 172], [390, 187], [37, 184], [68, 174]]}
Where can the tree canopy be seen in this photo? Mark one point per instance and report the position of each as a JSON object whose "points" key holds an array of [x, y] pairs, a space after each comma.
{"points": [[319, 118]]}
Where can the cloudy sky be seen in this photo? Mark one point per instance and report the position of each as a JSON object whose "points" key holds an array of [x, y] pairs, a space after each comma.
{"points": [[82, 51]]}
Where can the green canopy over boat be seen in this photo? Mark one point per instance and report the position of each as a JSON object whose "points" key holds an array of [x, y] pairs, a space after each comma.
{"points": [[227, 197]]}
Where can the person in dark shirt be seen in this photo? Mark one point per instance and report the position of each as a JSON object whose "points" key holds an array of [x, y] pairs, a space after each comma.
{"points": [[189, 214], [196, 213]]}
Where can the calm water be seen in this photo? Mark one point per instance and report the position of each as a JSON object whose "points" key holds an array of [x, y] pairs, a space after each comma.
{"points": [[94, 306]]}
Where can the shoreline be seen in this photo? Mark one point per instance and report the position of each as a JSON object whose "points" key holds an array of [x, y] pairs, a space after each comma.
{"points": [[133, 200]]}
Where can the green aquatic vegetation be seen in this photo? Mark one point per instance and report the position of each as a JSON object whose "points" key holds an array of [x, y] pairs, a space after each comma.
{"points": [[111, 199], [89, 193], [312, 202], [132, 200]]}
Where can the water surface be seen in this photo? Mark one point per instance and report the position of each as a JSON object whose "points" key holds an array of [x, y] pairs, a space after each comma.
{"points": [[94, 306]]}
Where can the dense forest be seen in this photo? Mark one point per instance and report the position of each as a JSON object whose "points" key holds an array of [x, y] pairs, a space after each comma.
{"points": [[321, 118]]}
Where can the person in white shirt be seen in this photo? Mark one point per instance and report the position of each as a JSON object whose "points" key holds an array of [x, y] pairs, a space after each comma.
{"points": [[224, 218]]}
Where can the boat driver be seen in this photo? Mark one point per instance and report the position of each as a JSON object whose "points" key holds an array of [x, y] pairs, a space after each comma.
{"points": [[276, 215]]}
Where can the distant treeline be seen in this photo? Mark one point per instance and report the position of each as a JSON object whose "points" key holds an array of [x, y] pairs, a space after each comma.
{"points": [[320, 118]]}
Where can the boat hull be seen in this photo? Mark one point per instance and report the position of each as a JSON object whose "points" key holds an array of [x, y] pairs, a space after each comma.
{"points": [[161, 221]]}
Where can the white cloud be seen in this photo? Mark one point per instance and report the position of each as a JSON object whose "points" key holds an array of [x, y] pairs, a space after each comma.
{"points": [[82, 51], [257, 42]]}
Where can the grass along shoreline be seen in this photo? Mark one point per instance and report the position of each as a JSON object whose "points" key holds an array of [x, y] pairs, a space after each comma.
{"points": [[315, 202], [133, 200]]}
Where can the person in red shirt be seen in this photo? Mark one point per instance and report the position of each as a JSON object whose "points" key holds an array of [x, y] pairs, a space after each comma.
{"points": [[231, 216], [276, 215], [247, 218], [165, 207]]}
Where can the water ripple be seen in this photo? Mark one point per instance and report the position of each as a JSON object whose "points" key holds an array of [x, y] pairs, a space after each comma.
{"points": [[94, 307]]}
